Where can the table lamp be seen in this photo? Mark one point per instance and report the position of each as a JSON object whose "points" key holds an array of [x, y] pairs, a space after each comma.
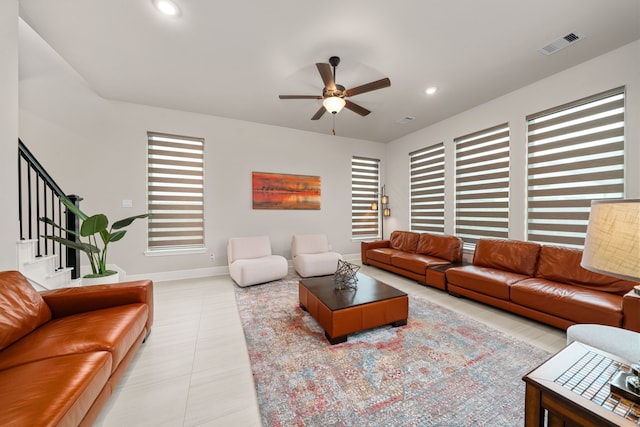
{"points": [[612, 247]]}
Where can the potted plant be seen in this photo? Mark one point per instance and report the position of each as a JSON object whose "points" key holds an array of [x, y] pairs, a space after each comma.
{"points": [[92, 227]]}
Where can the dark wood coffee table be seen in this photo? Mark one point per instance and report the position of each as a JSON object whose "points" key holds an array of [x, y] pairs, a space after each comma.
{"points": [[343, 312]]}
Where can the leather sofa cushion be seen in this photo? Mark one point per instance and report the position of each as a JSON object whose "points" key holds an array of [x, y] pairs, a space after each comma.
{"points": [[111, 329], [509, 255], [53, 392], [405, 241], [446, 247], [22, 309], [562, 264], [382, 255], [415, 263], [570, 302], [487, 281]]}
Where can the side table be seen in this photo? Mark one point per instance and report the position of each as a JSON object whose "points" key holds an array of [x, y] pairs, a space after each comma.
{"points": [[436, 275], [572, 389]]}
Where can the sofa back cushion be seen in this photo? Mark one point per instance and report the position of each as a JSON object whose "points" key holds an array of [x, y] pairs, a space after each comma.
{"points": [[22, 309], [405, 241], [509, 255], [560, 264], [437, 245]]}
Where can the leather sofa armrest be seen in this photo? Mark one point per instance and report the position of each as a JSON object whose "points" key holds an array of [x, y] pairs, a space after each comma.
{"points": [[631, 311], [365, 246], [68, 301]]}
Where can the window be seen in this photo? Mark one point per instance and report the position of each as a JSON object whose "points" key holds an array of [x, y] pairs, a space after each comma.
{"points": [[365, 182], [427, 189], [175, 192], [575, 155], [482, 184]]}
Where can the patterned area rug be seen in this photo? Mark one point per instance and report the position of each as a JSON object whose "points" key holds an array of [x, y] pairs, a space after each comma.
{"points": [[441, 369]]}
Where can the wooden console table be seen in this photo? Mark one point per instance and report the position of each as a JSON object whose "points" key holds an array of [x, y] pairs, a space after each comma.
{"points": [[572, 389]]}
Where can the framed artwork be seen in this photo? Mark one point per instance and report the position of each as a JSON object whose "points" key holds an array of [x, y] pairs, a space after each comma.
{"points": [[283, 191]]}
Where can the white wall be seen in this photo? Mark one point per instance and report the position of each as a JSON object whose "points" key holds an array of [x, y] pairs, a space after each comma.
{"points": [[8, 132], [617, 68], [96, 148]]}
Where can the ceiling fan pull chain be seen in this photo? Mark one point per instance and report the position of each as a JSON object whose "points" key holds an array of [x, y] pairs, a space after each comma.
{"points": [[334, 125]]}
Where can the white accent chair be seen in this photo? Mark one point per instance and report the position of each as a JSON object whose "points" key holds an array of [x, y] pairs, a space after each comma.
{"points": [[251, 261], [311, 255], [617, 341]]}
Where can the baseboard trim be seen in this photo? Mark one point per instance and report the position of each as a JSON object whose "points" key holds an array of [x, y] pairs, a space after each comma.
{"points": [[179, 274], [201, 272]]}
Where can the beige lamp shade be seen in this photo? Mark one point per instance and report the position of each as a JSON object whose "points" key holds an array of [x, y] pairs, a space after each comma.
{"points": [[612, 246]]}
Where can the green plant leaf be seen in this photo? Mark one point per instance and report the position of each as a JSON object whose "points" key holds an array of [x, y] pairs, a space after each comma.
{"points": [[73, 208], [50, 222], [117, 235], [127, 221], [106, 237], [94, 224], [81, 246]]}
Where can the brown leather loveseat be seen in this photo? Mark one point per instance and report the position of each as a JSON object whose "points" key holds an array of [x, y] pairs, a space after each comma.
{"points": [[413, 255], [545, 283], [63, 351]]}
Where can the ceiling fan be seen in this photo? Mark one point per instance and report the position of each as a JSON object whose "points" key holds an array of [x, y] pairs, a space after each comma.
{"points": [[334, 94]]}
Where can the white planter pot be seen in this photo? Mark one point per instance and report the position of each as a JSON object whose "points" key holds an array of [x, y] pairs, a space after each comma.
{"points": [[114, 278]]}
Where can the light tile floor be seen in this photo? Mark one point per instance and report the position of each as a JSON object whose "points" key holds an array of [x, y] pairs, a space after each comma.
{"points": [[194, 369]]}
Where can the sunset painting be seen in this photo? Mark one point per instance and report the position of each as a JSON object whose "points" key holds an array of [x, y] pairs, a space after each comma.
{"points": [[282, 191]]}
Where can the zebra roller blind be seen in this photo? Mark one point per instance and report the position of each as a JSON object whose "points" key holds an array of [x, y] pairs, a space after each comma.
{"points": [[482, 184], [575, 155], [427, 189], [365, 182], [175, 192]]}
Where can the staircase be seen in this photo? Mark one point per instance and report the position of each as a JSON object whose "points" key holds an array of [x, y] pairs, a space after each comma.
{"points": [[42, 271], [47, 264]]}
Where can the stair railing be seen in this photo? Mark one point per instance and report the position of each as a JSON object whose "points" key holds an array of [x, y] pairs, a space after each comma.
{"points": [[39, 196]]}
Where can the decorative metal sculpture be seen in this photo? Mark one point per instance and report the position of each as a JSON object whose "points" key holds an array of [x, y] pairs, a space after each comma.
{"points": [[345, 276]]}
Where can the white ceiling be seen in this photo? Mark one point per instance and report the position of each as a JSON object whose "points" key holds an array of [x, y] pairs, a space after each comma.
{"points": [[232, 59]]}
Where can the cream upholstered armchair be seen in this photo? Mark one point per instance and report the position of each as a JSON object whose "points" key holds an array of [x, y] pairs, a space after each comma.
{"points": [[311, 255], [251, 261]]}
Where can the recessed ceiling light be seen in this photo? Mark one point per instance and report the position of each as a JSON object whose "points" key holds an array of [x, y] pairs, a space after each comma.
{"points": [[431, 90], [167, 7]]}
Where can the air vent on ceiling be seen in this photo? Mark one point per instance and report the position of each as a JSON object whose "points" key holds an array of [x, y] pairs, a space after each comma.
{"points": [[405, 119], [561, 43]]}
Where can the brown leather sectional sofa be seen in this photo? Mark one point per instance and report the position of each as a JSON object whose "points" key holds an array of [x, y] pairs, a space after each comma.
{"points": [[63, 351], [545, 283], [413, 255]]}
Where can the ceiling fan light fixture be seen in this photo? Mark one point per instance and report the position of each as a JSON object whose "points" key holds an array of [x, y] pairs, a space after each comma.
{"points": [[334, 104]]}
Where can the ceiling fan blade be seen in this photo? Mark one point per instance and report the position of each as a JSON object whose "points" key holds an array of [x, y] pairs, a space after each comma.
{"points": [[299, 97], [327, 75], [319, 113], [356, 108], [368, 87]]}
